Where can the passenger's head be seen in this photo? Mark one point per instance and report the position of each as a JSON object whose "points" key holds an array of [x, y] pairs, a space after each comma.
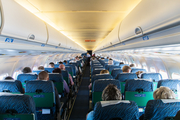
{"points": [[163, 93], [131, 65], [138, 73], [8, 78], [110, 62], [121, 63], [104, 72], [27, 70], [126, 69], [51, 64], [57, 70], [62, 67], [60, 62], [41, 68], [43, 76], [65, 61], [111, 92]]}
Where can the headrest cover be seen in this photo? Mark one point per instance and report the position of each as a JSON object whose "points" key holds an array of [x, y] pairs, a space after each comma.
{"points": [[113, 102]]}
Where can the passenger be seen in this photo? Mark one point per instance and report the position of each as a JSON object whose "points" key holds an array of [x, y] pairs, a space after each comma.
{"points": [[45, 76], [131, 65], [62, 67], [102, 72], [110, 62], [121, 63], [163, 93], [177, 117], [139, 73], [111, 92], [27, 70], [126, 69], [60, 62], [66, 88], [51, 64], [8, 78], [41, 68], [65, 62]]}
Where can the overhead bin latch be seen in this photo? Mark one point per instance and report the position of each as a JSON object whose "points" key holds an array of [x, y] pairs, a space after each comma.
{"points": [[138, 31], [31, 37]]}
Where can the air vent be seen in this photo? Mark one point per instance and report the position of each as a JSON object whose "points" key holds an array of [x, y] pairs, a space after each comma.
{"points": [[138, 31], [31, 37]]}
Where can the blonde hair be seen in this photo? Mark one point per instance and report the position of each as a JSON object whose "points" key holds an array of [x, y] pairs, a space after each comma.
{"points": [[163, 93], [104, 72], [43, 75], [126, 68]]}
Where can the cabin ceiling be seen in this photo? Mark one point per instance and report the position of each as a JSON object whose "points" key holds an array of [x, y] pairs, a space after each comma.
{"points": [[81, 20]]}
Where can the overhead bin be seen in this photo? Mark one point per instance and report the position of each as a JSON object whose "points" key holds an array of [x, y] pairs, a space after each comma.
{"points": [[55, 37], [18, 22], [150, 15]]}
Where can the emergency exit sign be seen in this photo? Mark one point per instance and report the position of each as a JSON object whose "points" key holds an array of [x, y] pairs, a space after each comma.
{"points": [[90, 40]]}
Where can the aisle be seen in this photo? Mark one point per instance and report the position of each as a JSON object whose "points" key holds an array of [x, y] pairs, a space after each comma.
{"points": [[81, 105]]}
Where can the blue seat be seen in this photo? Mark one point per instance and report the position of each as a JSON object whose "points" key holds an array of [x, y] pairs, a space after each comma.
{"points": [[134, 70], [17, 106], [56, 65], [101, 76], [97, 67], [73, 68], [113, 67], [26, 77], [122, 77], [140, 91], [115, 72], [160, 109], [96, 71], [152, 76], [43, 93], [58, 81], [65, 75], [70, 70], [106, 110], [98, 87], [49, 70], [12, 86], [37, 71]]}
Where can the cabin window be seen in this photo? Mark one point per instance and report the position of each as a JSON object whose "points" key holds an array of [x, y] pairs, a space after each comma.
{"points": [[152, 69], [163, 74], [16, 74], [175, 76], [2, 76]]}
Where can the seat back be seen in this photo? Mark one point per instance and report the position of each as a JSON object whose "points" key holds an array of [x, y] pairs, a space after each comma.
{"points": [[106, 110], [134, 70], [73, 68], [122, 65], [17, 107], [43, 93], [122, 77], [12, 86], [26, 77], [37, 71], [140, 91], [65, 75], [160, 109], [96, 71], [70, 70], [110, 68], [173, 84], [58, 81], [49, 70], [99, 86], [56, 65], [152, 76], [100, 76], [115, 72]]}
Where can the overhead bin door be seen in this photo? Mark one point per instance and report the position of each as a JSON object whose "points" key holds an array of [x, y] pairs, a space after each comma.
{"points": [[55, 37], [150, 15], [17, 22]]}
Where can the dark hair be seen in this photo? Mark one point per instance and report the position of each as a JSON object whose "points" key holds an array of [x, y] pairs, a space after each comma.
{"points": [[57, 70], [41, 68], [111, 92], [51, 63], [121, 63], [65, 61], [27, 70], [60, 62], [8, 78]]}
